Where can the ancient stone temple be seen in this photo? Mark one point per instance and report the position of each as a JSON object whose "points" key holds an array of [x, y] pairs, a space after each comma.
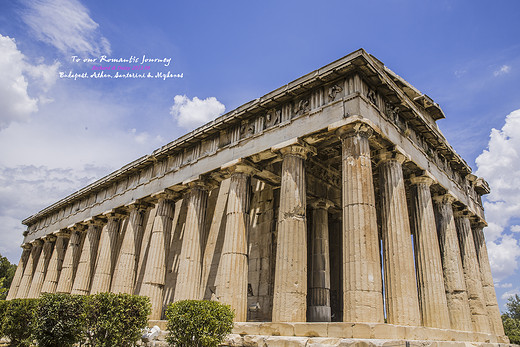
{"points": [[328, 210]]}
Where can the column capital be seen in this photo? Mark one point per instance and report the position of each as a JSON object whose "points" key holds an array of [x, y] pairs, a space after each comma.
{"points": [[444, 198], [423, 178], [165, 194], [295, 147], [321, 204], [478, 222], [391, 153], [199, 182], [352, 129], [26, 246], [115, 214], [37, 242], [49, 238], [461, 213], [65, 233], [79, 227], [94, 221], [138, 205], [240, 165]]}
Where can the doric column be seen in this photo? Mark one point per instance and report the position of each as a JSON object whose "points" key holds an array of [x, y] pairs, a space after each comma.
{"points": [[87, 260], [190, 264], [456, 295], [107, 255], [432, 295], [56, 262], [290, 283], [472, 274], [71, 259], [362, 285], [155, 273], [41, 268], [319, 282], [232, 287], [400, 283], [126, 268], [487, 281], [26, 281], [15, 284]]}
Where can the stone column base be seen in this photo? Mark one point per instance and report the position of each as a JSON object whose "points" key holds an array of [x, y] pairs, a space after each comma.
{"points": [[351, 334], [319, 313]]}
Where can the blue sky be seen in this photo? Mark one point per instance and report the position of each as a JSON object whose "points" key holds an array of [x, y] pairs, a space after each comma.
{"points": [[59, 134]]}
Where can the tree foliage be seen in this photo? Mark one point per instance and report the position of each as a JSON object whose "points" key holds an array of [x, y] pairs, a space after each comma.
{"points": [[511, 319], [18, 323], [194, 323], [7, 271]]}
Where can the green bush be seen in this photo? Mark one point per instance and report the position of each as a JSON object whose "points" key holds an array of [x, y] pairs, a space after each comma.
{"points": [[60, 320], [115, 319], [19, 321], [198, 323], [511, 319], [3, 308]]}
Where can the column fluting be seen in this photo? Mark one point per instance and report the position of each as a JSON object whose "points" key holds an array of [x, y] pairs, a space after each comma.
{"points": [[107, 255], [155, 273], [87, 260], [290, 283], [233, 266], [41, 268], [15, 284], [472, 274], [487, 281], [71, 259], [432, 295], [400, 280], [362, 283], [56, 262], [454, 284], [190, 264], [26, 281], [126, 268], [319, 276]]}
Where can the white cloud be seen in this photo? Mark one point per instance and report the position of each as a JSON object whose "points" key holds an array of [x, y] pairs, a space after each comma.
{"points": [[509, 294], [15, 74], [499, 164], [515, 228], [504, 69], [71, 143], [66, 25], [504, 285], [503, 257], [190, 114], [26, 189]]}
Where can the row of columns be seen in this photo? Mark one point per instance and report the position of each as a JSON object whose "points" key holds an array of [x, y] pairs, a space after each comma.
{"points": [[451, 267]]}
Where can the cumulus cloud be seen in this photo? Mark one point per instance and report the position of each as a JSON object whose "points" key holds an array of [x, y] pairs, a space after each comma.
{"points": [[504, 285], [71, 142], [504, 69], [499, 164], [509, 294], [190, 114], [27, 188], [515, 228], [15, 74], [66, 25]]}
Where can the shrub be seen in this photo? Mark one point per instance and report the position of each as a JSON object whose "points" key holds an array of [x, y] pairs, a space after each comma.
{"points": [[60, 320], [198, 323], [115, 319], [19, 321], [3, 307]]}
